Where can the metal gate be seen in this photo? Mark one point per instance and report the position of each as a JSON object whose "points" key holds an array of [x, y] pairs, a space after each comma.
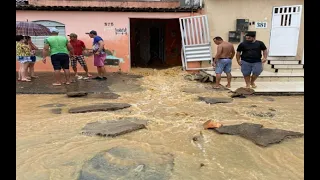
{"points": [[196, 43], [285, 30]]}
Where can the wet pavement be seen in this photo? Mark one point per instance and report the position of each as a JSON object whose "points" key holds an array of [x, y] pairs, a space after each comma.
{"points": [[117, 82]]}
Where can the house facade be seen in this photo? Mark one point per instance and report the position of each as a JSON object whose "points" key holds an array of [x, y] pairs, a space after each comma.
{"points": [[278, 23], [135, 32], [148, 32]]}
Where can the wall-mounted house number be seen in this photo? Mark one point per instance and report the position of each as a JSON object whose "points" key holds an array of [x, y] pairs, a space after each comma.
{"points": [[261, 25]]}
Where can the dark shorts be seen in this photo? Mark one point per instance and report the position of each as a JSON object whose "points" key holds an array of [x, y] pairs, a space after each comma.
{"points": [[248, 68], [223, 65], [33, 59], [60, 61]]}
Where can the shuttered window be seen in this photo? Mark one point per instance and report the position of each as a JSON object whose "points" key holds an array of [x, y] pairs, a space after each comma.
{"points": [[39, 40]]}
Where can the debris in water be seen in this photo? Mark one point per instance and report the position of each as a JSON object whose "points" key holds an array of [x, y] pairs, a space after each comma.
{"points": [[150, 165], [211, 125], [257, 134], [77, 94], [253, 106], [271, 109], [113, 128], [100, 107], [201, 165], [209, 100], [56, 111], [262, 114]]}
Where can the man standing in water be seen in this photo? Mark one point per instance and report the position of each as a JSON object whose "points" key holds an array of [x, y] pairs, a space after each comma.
{"points": [[59, 48], [223, 60], [78, 47], [99, 55], [251, 63]]}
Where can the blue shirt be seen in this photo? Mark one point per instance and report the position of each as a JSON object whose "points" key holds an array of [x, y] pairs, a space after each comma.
{"points": [[96, 44]]}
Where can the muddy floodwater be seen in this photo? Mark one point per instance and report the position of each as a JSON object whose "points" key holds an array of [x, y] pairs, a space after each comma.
{"points": [[51, 147]]}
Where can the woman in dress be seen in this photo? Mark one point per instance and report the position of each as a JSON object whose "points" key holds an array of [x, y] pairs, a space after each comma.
{"points": [[24, 57]]}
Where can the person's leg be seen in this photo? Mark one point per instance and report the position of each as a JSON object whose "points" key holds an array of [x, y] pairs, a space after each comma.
{"points": [[246, 71], [64, 60], [20, 71], [227, 70], [218, 70], [31, 67], [57, 68], [24, 72], [96, 63], [73, 60], [256, 71], [84, 65], [102, 58]]}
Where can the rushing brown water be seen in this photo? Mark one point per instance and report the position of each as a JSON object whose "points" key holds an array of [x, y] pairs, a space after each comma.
{"points": [[50, 146]]}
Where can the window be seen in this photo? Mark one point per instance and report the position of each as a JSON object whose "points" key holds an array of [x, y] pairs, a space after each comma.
{"points": [[39, 40]]}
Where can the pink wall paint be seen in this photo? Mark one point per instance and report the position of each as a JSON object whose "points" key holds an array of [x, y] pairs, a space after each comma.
{"points": [[81, 22]]}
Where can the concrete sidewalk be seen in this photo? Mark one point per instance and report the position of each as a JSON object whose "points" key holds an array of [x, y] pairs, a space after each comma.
{"points": [[43, 85]]}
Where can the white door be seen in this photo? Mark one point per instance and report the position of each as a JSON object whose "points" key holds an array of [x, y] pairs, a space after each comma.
{"points": [[285, 30], [196, 43]]}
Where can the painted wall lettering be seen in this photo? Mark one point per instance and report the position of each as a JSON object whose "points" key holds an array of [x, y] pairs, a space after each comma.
{"points": [[108, 24], [121, 31]]}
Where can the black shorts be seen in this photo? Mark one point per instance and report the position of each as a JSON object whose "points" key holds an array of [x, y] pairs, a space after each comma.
{"points": [[59, 61]]}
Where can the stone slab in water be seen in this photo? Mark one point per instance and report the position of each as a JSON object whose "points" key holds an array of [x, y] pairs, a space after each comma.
{"points": [[257, 134], [113, 128], [56, 111], [129, 164], [99, 107], [194, 90], [77, 94], [53, 105], [209, 100], [244, 91], [104, 95]]}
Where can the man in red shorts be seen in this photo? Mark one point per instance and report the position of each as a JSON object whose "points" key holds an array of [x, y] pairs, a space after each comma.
{"points": [[78, 47]]}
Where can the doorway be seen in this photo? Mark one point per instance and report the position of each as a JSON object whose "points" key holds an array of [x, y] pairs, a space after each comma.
{"points": [[285, 30], [155, 43]]}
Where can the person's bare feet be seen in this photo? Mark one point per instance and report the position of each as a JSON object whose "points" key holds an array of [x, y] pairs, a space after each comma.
{"points": [[247, 86], [253, 85], [89, 75], [25, 80], [56, 84], [216, 87], [228, 86]]}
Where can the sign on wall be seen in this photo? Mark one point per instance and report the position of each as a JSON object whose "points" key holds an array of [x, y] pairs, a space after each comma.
{"points": [[261, 25]]}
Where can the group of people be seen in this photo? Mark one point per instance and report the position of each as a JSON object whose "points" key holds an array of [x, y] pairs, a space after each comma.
{"points": [[26, 56], [61, 51], [248, 57]]}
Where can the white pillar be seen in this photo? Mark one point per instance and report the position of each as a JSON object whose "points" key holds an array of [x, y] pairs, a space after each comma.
{"points": [[302, 60]]}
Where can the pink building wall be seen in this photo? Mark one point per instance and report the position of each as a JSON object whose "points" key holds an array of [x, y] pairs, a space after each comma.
{"points": [[81, 22]]}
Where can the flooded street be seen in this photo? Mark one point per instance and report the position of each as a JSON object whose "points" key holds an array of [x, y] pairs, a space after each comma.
{"points": [[51, 146]]}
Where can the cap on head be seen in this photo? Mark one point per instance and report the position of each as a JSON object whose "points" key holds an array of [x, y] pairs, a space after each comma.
{"points": [[73, 35], [54, 30], [93, 32]]}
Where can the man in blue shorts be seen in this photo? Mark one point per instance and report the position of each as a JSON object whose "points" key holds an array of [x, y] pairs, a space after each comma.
{"points": [[251, 63], [223, 60]]}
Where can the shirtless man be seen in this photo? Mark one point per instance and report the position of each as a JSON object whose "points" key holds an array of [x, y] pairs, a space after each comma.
{"points": [[223, 60]]}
